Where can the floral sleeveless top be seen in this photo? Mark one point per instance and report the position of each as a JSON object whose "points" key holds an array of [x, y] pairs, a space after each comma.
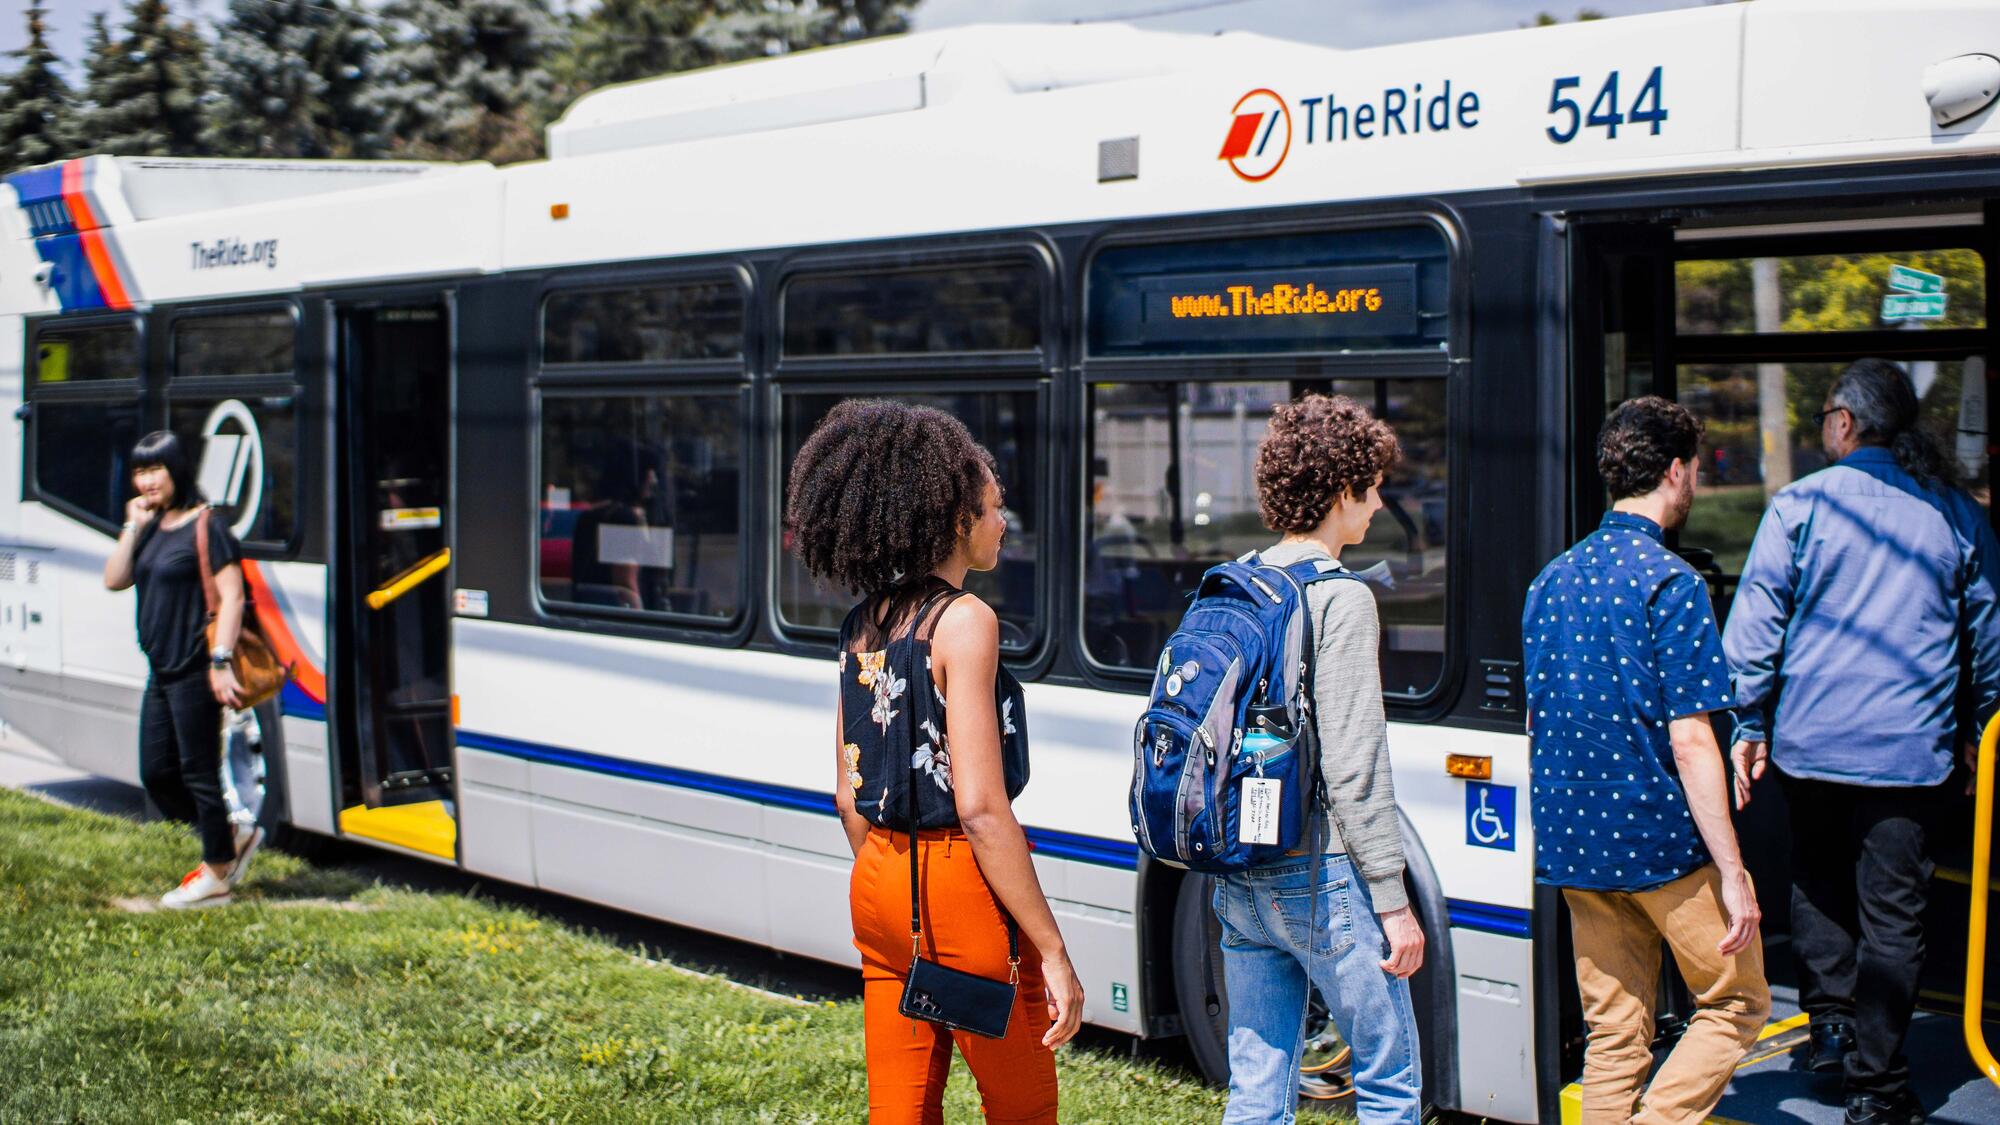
{"points": [[893, 717]]}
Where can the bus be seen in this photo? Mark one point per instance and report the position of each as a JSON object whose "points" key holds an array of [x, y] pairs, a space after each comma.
{"points": [[506, 447]]}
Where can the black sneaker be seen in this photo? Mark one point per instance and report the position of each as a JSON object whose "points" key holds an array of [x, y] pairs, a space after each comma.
{"points": [[1832, 1041], [1873, 1109]]}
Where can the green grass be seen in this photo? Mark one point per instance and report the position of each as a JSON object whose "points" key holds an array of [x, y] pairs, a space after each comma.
{"points": [[321, 995]]}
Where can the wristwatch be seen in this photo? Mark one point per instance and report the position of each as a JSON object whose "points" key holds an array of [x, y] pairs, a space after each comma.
{"points": [[219, 658]]}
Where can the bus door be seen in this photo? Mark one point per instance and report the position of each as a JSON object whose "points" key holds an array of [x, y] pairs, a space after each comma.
{"points": [[393, 551], [1748, 326]]}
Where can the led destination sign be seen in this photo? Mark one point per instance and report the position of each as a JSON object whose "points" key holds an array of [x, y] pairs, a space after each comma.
{"points": [[1304, 306]]}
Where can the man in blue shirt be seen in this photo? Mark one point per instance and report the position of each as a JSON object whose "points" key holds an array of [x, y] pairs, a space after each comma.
{"points": [[1869, 590], [1629, 798]]}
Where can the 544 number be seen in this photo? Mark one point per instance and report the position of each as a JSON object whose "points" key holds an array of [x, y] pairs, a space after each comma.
{"points": [[1648, 108]]}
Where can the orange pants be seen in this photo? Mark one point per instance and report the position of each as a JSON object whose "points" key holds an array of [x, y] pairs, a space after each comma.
{"points": [[963, 929]]}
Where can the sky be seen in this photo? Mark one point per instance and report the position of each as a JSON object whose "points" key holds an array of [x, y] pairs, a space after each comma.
{"points": [[1338, 23]]}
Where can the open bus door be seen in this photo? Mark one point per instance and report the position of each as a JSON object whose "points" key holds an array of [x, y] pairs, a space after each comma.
{"points": [[1747, 321], [392, 541]]}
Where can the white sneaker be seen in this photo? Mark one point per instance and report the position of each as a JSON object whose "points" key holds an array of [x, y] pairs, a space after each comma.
{"points": [[248, 840], [199, 888]]}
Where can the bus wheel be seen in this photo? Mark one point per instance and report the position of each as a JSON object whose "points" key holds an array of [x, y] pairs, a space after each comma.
{"points": [[1326, 1070], [253, 771]]}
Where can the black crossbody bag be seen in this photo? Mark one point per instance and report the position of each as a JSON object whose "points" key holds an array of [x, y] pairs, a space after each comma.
{"points": [[954, 998]]}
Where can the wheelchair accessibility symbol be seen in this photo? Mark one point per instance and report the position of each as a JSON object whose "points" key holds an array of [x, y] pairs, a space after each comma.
{"points": [[1489, 815]]}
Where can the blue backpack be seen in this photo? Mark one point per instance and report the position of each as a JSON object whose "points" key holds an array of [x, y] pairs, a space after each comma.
{"points": [[1241, 664]]}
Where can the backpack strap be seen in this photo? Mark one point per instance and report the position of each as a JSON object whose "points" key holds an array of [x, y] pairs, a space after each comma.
{"points": [[208, 593]]}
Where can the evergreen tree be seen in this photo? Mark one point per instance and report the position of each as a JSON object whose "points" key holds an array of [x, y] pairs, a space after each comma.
{"points": [[145, 91], [465, 79], [289, 78], [622, 40], [35, 103]]}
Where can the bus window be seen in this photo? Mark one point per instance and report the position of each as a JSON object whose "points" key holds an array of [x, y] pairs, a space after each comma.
{"points": [[80, 454], [87, 355], [990, 307], [1909, 290], [1173, 492], [1008, 424], [84, 387], [651, 324], [242, 344], [641, 500]]}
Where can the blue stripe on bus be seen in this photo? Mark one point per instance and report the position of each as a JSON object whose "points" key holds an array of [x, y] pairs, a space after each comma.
{"points": [[1507, 921], [1047, 841], [293, 701]]}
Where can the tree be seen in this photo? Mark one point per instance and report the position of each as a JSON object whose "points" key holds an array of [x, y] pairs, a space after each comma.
{"points": [[623, 40], [145, 90], [35, 103], [289, 78], [465, 79]]}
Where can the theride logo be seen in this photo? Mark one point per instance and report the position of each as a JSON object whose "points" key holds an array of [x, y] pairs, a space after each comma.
{"points": [[1260, 136]]}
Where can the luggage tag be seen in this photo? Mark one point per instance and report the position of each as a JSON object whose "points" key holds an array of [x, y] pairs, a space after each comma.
{"points": [[1257, 821]]}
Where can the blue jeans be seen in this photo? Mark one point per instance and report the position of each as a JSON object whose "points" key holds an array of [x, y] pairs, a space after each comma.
{"points": [[1267, 917]]}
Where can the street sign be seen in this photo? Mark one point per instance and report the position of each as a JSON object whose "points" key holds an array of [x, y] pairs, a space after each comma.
{"points": [[1913, 306], [1915, 281]]}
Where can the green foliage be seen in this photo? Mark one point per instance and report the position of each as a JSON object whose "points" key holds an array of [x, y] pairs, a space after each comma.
{"points": [[35, 102], [321, 995], [145, 90], [465, 79], [289, 77]]}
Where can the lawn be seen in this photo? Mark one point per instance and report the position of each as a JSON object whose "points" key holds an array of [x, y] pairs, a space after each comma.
{"points": [[322, 995]]}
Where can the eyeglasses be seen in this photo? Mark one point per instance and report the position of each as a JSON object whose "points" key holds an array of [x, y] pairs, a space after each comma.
{"points": [[1820, 416]]}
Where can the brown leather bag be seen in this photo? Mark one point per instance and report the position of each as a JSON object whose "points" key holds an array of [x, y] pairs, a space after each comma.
{"points": [[259, 676]]}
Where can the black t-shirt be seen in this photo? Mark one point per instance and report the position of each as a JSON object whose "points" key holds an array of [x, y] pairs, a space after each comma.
{"points": [[173, 615]]}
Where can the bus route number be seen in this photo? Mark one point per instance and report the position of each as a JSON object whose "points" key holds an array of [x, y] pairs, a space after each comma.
{"points": [[1648, 108]]}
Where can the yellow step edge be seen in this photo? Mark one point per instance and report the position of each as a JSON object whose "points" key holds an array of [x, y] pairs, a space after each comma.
{"points": [[1571, 1098], [425, 827]]}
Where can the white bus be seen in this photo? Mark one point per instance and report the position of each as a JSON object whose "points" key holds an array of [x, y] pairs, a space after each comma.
{"points": [[506, 445]]}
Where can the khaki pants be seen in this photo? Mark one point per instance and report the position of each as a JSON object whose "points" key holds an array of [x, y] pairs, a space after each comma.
{"points": [[1617, 937]]}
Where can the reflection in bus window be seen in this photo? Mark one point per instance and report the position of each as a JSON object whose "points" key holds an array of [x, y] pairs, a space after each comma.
{"points": [[994, 307], [245, 451], [80, 454], [1910, 290], [87, 355], [641, 503], [655, 324], [1760, 436], [1173, 492], [1007, 424], [258, 343]]}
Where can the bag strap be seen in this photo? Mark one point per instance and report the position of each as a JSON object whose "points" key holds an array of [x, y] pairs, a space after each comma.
{"points": [[208, 593], [916, 883]]}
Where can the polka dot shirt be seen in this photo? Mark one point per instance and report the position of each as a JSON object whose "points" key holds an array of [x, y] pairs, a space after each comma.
{"points": [[1620, 640]]}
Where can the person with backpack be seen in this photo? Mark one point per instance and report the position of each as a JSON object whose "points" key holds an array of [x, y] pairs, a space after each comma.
{"points": [[1269, 699], [1628, 796], [897, 503], [180, 715], [1865, 644]]}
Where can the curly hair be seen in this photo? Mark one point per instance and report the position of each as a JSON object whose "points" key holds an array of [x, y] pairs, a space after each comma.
{"points": [[881, 492], [1319, 449], [1639, 440]]}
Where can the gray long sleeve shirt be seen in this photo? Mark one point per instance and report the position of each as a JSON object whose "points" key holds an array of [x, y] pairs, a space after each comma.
{"points": [[1353, 732]]}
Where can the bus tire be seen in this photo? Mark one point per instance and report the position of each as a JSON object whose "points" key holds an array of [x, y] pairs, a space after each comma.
{"points": [[1204, 1002], [256, 779]]}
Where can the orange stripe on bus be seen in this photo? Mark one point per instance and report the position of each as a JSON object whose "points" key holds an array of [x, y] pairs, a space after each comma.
{"points": [[278, 634]]}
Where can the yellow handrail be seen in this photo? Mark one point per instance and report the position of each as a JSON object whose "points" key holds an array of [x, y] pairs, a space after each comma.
{"points": [[410, 579], [1975, 938]]}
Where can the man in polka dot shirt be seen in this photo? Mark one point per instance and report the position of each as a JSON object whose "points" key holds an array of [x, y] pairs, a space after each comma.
{"points": [[1629, 799]]}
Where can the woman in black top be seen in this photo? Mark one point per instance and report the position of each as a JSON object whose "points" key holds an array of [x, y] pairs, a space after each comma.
{"points": [[180, 719], [897, 503]]}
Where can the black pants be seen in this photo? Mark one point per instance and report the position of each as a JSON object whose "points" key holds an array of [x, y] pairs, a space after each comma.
{"points": [[180, 759], [1861, 873]]}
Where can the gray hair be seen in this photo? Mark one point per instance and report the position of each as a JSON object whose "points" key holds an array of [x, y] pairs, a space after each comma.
{"points": [[1884, 404]]}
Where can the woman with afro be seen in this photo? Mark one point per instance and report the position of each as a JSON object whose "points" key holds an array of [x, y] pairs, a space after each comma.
{"points": [[896, 504]]}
